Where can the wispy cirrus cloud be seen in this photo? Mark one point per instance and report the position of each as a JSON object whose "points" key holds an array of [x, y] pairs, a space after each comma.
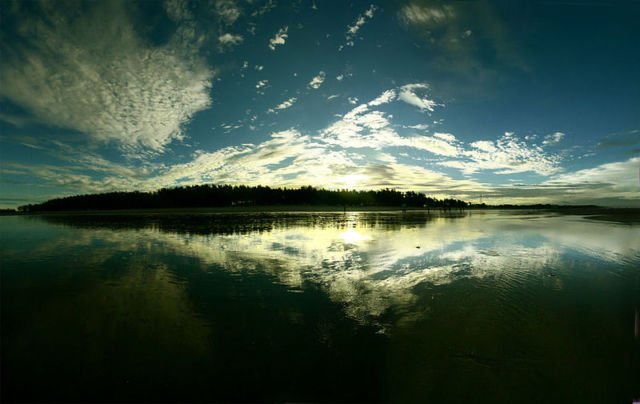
{"points": [[616, 183], [96, 76]]}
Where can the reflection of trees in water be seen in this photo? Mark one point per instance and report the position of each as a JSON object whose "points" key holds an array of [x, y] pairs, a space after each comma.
{"points": [[215, 223], [121, 326]]}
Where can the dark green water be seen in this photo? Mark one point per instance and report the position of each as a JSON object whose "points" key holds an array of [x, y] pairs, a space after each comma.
{"points": [[483, 307]]}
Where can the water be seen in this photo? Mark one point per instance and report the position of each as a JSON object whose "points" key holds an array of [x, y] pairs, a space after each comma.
{"points": [[493, 307]]}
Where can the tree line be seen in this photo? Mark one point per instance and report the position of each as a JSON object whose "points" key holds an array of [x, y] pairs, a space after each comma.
{"points": [[201, 196]]}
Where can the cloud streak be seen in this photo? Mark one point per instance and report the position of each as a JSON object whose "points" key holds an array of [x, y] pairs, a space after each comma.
{"points": [[352, 30], [423, 14], [283, 105]]}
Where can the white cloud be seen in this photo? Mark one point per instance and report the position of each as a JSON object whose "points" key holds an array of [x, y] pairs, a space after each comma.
{"points": [[410, 94], [317, 81], [284, 105], [485, 146], [352, 30], [262, 83], [613, 183], [553, 138], [139, 96], [363, 128], [290, 158], [96, 76], [230, 39], [431, 144], [77, 171], [384, 98], [279, 38], [228, 127], [332, 96], [340, 77], [421, 126], [623, 175]]}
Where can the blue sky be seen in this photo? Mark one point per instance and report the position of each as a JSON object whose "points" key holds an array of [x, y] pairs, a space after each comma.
{"points": [[504, 101]]}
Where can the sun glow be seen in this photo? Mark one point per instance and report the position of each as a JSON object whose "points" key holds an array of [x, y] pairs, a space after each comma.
{"points": [[352, 180]]}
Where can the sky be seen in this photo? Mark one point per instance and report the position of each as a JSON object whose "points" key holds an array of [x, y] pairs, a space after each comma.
{"points": [[485, 101]]}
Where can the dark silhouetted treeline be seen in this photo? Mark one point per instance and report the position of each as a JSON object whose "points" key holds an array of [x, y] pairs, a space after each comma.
{"points": [[200, 196]]}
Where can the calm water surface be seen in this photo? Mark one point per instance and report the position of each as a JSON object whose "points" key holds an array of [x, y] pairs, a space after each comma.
{"points": [[493, 307]]}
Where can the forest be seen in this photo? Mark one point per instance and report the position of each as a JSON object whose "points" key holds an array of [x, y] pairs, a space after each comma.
{"points": [[202, 196]]}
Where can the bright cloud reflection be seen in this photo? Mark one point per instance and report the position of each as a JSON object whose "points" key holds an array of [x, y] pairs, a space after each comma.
{"points": [[373, 262], [352, 236]]}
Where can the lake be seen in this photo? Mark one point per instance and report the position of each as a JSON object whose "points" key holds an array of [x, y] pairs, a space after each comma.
{"points": [[485, 306]]}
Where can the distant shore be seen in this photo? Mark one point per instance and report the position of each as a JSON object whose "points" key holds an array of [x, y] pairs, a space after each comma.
{"points": [[234, 209], [621, 215]]}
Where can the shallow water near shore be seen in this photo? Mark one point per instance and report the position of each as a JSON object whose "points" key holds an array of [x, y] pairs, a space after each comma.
{"points": [[302, 306]]}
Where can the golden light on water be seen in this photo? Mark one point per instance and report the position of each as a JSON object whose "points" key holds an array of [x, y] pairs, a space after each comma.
{"points": [[352, 236]]}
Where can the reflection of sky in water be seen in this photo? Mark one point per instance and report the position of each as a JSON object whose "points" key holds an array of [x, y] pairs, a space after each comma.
{"points": [[370, 268]]}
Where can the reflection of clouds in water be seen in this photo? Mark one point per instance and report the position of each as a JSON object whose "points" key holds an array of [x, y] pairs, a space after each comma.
{"points": [[615, 243], [501, 260], [369, 268]]}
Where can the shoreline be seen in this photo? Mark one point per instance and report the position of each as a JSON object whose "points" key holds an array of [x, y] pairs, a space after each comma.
{"points": [[621, 215]]}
